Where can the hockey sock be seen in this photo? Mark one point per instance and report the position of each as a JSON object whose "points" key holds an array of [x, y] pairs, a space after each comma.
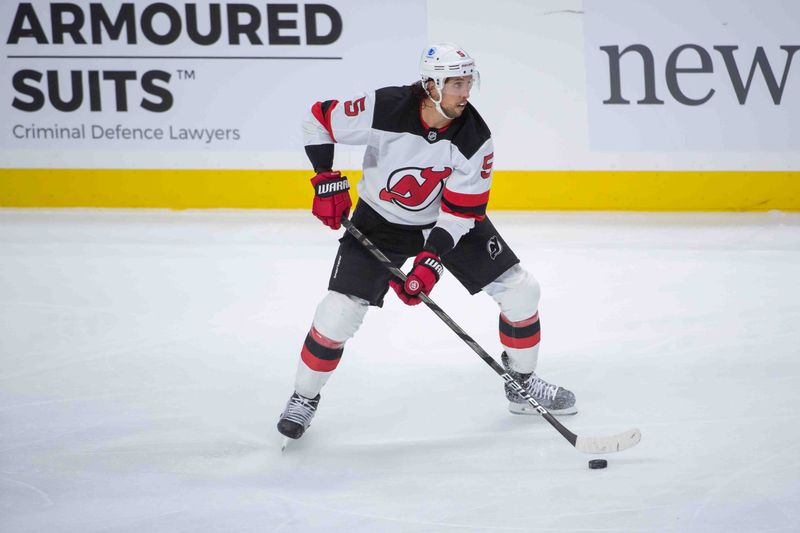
{"points": [[321, 353], [319, 357], [521, 342]]}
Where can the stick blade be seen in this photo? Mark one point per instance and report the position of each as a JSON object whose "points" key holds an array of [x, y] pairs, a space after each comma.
{"points": [[612, 444]]}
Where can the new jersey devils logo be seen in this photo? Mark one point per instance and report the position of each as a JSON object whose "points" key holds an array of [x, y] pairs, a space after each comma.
{"points": [[414, 188], [494, 247]]}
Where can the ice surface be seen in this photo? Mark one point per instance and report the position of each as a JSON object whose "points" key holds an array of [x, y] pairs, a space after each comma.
{"points": [[146, 355]]}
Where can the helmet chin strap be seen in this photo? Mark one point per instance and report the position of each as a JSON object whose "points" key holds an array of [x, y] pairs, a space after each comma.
{"points": [[438, 104]]}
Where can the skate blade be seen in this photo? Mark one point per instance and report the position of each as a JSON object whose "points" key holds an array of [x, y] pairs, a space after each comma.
{"points": [[527, 409], [284, 444]]}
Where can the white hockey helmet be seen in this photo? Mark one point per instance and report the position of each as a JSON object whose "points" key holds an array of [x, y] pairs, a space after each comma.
{"points": [[446, 60]]}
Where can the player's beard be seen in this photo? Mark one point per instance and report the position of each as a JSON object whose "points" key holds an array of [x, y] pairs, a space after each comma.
{"points": [[453, 111]]}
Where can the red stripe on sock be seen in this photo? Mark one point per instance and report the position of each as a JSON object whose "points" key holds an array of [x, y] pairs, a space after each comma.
{"points": [[317, 364], [325, 341], [521, 323], [528, 342]]}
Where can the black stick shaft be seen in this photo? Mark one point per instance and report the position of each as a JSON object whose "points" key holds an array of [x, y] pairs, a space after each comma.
{"points": [[488, 359]]}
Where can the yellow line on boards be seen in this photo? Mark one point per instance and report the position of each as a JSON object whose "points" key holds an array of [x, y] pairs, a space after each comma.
{"points": [[647, 190], [511, 189]]}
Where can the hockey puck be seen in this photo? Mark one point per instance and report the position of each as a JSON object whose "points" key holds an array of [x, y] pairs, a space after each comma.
{"points": [[595, 464]]}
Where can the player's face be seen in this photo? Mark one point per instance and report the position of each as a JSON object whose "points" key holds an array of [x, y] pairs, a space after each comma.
{"points": [[455, 95]]}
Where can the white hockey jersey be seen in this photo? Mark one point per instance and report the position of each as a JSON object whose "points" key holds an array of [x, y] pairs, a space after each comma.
{"points": [[413, 174]]}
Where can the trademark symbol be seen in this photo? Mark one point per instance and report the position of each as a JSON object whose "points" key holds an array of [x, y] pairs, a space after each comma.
{"points": [[185, 74]]}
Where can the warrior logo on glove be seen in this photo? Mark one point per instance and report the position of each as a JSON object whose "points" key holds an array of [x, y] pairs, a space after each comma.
{"points": [[434, 264], [427, 270], [332, 187], [331, 199]]}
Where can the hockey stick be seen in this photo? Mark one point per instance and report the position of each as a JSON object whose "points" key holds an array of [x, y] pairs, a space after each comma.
{"points": [[611, 444]]}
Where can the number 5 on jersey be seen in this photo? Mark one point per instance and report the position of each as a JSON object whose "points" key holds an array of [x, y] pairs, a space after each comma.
{"points": [[486, 169], [354, 107]]}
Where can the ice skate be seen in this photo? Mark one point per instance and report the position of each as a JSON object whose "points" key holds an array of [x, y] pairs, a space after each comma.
{"points": [[557, 400], [296, 418]]}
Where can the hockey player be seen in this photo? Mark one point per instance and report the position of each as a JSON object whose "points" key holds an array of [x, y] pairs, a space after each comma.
{"points": [[425, 186]]}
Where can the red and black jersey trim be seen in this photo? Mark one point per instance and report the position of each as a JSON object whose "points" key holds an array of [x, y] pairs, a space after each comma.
{"points": [[322, 112], [522, 334], [465, 205], [397, 110], [320, 353]]}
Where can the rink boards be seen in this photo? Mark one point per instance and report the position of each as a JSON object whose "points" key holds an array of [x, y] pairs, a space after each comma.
{"points": [[518, 190], [592, 105]]}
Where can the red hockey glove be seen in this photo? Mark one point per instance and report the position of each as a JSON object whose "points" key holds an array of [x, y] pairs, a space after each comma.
{"points": [[332, 199], [423, 276]]}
